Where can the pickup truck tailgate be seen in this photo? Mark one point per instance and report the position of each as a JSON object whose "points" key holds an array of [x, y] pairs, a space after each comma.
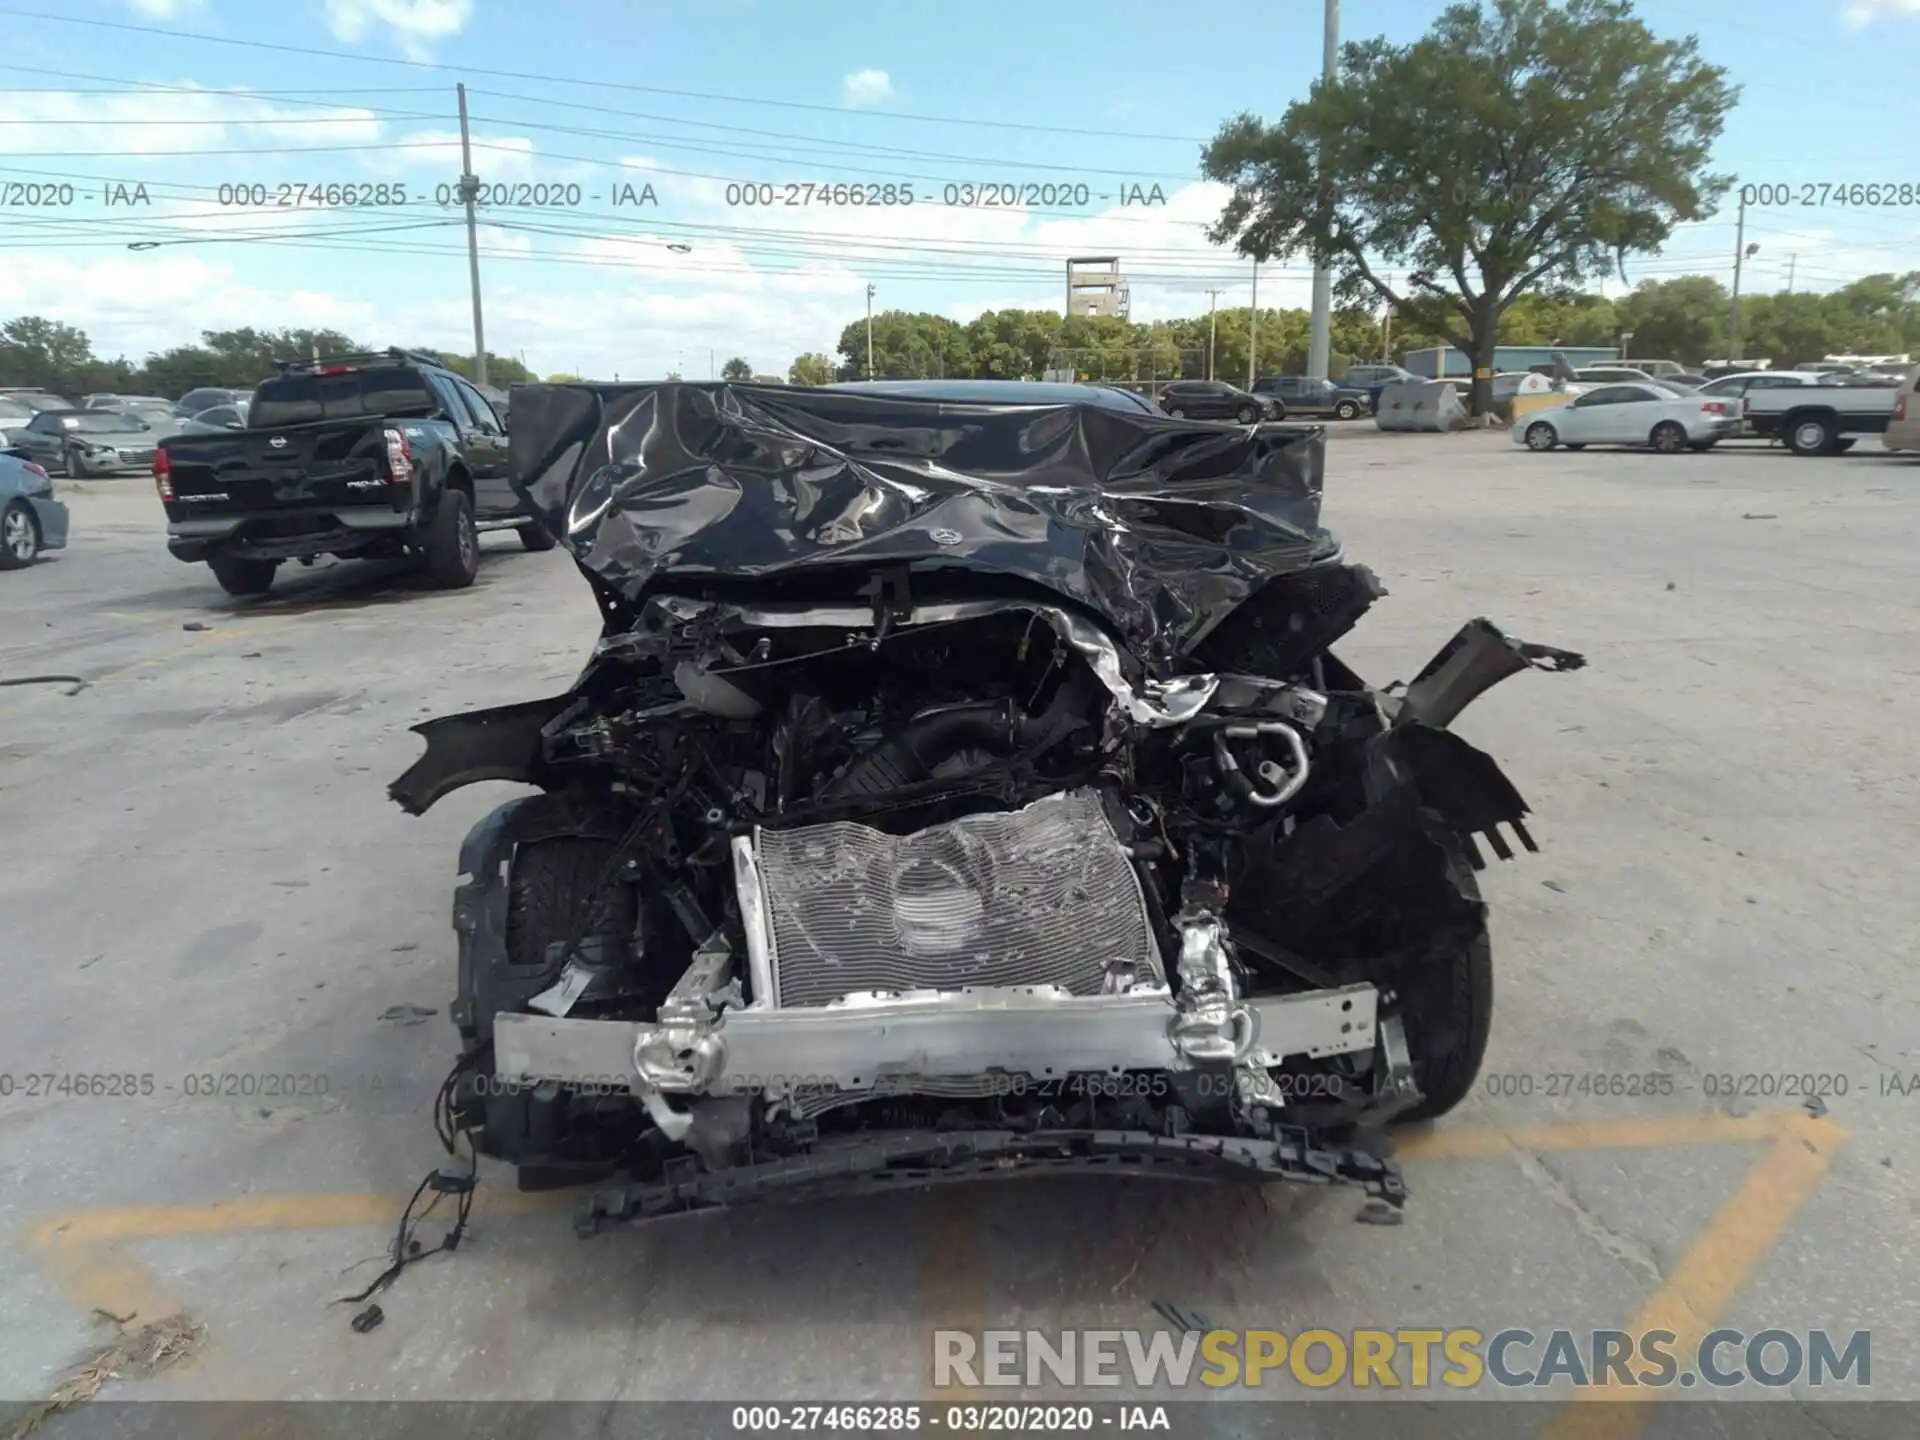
{"points": [[328, 465]]}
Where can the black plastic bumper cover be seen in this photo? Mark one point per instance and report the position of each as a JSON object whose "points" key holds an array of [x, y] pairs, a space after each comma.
{"points": [[913, 1160]]}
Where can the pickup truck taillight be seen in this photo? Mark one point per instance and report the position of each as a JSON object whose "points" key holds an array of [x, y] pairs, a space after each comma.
{"points": [[1746, 405], [1900, 408], [399, 458], [163, 476]]}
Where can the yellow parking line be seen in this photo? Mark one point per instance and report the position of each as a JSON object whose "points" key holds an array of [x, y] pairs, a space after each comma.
{"points": [[1710, 1274]]}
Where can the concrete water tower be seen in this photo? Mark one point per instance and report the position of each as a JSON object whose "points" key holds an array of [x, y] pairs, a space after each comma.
{"points": [[1095, 286]]}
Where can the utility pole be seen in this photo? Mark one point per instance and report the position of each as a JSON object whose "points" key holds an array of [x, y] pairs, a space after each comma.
{"points": [[1320, 336], [469, 192], [1792, 260], [1253, 329], [1213, 299], [1739, 255], [870, 332], [709, 364]]}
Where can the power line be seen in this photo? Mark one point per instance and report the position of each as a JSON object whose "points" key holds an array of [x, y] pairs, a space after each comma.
{"points": [[320, 53]]}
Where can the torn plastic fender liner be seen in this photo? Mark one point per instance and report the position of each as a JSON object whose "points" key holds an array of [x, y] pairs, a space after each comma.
{"points": [[1475, 660], [498, 744]]}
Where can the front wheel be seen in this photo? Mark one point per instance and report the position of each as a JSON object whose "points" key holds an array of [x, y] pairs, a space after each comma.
{"points": [[1346, 410], [1669, 437], [72, 466], [1246, 415], [244, 577], [536, 537], [19, 537], [1581, 446], [1840, 447], [1541, 436], [453, 546], [1447, 1031]]}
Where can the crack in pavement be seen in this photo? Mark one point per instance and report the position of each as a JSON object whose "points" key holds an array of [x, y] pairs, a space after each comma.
{"points": [[1633, 1254]]}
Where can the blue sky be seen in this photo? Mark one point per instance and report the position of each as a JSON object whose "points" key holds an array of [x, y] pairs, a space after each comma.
{"points": [[589, 96]]}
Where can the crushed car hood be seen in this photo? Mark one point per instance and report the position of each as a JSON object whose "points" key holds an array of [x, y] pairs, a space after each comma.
{"points": [[1159, 527]]}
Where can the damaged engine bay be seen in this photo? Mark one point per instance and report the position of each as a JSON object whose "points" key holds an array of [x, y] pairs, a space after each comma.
{"points": [[959, 790]]}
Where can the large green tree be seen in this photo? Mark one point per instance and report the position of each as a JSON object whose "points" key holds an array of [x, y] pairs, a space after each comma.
{"points": [[810, 369], [1684, 319], [1518, 143], [738, 370]]}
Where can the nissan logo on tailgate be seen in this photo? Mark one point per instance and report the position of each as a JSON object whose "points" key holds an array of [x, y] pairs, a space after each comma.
{"points": [[278, 442]]}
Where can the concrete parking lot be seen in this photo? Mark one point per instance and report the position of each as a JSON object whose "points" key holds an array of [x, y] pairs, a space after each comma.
{"points": [[201, 875]]}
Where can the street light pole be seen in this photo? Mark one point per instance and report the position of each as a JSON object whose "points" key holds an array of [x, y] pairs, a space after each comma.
{"points": [[870, 332], [1320, 336], [1213, 299], [469, 192], [1739, 255], [1253, 328]]}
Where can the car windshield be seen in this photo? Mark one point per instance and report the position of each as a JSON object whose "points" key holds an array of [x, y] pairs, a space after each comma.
{"points": [[104, 422]]}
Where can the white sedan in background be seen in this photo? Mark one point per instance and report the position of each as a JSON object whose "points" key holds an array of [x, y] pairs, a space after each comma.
{"points": [[1643, 413]]}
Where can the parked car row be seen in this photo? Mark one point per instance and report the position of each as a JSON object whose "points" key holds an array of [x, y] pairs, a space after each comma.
{"points": [[1811, 412]]}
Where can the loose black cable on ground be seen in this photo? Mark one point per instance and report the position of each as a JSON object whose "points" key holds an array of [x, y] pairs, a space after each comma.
{"points": [[73, 680], [406, 1249]]}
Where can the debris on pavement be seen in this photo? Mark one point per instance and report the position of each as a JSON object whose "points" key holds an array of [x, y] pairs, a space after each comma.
{"points": [[1188, 1320], [1379, 1212], [195, 625], [368, 1319], [134, 1353]]}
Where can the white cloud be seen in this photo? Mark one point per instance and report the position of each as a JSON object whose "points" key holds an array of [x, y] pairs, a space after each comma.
{"points": [[135, 304], [866, 87], [413, 26], [140, 124], [1861, 13], [167, 9]]}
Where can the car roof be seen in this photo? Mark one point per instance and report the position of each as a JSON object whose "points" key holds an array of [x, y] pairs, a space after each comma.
{"points": [[996, 392]]}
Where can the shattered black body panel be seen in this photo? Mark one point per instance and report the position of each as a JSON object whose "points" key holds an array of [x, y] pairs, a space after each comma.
{"points": [[1159, 527]]}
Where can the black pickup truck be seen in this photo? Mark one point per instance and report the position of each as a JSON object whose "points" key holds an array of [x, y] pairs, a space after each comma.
{"points": [[354, 456]]}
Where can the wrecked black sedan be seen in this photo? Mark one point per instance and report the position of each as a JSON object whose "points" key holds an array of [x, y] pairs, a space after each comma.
{"points": [[959, 788]]}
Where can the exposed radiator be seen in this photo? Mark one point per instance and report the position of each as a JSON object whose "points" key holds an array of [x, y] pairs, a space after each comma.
{"points": [[1044, 895]]}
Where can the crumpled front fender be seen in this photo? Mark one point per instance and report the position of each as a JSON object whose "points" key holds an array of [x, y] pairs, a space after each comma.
{"points": [[498, 744], [1476, 659]]}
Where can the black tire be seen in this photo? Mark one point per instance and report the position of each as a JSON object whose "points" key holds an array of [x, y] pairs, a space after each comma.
{"points": [[71, 465], [1811, 435], [1246, 415], [1346, 410], [1842, 445], [1669, 437], [243, 577], [536, 537], [1581, 446], [453, 544], [549, 885], [19, 536], [1541, 437], [1702, 446], [1447, 1048]]}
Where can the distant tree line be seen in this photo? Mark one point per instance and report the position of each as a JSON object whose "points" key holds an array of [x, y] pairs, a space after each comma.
{"points": [[61, 358], [1688, 319]]}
